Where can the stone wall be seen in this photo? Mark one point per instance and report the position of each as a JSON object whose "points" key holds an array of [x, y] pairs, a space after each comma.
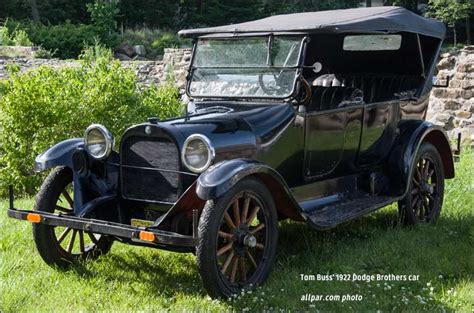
{"points": [[175, 63], [453, 107]]}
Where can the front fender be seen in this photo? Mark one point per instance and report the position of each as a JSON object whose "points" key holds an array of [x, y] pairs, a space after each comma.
{"points": [[412, 135], [58, 155], [221, 177]]}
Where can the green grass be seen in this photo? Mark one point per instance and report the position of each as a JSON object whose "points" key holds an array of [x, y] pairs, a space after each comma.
{"points": [[143, 279]]}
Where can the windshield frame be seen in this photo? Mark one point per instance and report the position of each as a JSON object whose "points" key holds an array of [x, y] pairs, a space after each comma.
{"points": [[298, 67]]}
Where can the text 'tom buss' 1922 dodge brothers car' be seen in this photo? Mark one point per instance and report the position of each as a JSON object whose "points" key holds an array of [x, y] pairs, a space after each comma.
{"points": [[316, 117]]}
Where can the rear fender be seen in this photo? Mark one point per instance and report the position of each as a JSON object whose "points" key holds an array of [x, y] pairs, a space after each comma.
{"points": [[221, 177], [412, 135]]}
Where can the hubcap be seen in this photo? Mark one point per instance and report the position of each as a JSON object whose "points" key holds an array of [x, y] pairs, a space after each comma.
{"points": [[250, 241]]}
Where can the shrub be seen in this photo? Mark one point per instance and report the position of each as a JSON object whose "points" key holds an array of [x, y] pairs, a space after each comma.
{"points": [[68, 40], [167, 40], [18, 37], [97, 51], [44, 106]]}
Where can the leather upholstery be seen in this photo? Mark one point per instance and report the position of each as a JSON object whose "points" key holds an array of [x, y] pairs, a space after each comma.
{"points": [[375, 87], [328, 98]]}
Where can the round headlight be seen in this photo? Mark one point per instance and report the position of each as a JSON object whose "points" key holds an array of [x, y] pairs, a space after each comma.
{"points": [[197, 153], [98, 141]]}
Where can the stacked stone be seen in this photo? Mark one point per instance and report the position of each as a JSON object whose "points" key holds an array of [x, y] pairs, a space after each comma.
{"points": [[174, 64], [452, 107]]}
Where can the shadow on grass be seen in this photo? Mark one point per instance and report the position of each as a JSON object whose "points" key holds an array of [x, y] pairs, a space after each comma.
{"points": [[371, 244]]}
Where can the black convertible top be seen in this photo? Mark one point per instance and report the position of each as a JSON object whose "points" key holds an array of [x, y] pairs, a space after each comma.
{"points": [[385, 19]]}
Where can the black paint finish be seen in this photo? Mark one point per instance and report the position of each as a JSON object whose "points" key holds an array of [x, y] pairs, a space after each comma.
{"points": [[325, 161]]}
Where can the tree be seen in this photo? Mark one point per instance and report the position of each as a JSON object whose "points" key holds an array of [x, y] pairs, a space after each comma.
{"points": [[34, 11], [450, 12]]}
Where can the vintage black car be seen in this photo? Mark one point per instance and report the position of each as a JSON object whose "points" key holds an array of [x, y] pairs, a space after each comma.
{"points": [[315, 117]]}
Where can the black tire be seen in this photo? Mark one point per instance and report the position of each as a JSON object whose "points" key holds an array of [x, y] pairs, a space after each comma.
{"points": [[252, 246], [48, 244], [424, 198]]}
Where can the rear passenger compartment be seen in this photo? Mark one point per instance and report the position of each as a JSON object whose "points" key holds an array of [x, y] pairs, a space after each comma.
{"points": [[339, 72]]}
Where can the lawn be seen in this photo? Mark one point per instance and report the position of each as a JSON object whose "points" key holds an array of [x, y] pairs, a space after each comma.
{"points": [[143, 279]]}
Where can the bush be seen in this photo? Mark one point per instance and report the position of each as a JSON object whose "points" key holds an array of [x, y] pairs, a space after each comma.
{"points": [[44, 106], [167, 40], [68, 40], [18, 37], [95, 52]]}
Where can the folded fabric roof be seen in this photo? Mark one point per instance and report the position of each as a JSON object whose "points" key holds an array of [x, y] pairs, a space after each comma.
{"points": [[383, 19]]}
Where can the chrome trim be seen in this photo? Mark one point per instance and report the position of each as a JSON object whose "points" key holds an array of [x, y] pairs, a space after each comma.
{"points": [[211, 153], [109, 141], [152, 169]]}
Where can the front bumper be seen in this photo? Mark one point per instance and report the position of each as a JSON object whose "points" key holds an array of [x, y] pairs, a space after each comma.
{"points": [[146, 235]]}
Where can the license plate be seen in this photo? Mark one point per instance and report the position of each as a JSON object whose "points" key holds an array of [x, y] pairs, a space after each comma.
{"points": [[141, 223]]}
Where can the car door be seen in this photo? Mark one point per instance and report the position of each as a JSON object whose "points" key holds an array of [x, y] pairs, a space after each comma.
{"points": [[332, 142], [378, 132]]}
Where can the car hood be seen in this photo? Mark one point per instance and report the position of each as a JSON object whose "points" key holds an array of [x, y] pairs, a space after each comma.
{"points": [[235, 130]]}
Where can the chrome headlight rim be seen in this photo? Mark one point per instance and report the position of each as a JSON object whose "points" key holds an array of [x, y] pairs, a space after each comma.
{"points": [[211, 153], [108, 137]]}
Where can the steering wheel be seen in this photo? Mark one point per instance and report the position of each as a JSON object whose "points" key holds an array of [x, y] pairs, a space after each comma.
{"points": [[307, 91], [269, 90]]}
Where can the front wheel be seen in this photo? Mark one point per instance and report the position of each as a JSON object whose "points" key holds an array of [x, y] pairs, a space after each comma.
{"points": [[238, 235], [61, 246], [424, 198]]}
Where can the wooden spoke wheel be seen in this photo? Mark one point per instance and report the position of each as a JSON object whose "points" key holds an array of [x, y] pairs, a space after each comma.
{"points": [[424, 199], [238, 237], [241, 241], [61, 246]]}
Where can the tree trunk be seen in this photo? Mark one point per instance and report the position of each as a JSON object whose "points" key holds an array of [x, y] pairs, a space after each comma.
{"points": [[468, 29], [34, 11], [454, 36], [368, 3]]}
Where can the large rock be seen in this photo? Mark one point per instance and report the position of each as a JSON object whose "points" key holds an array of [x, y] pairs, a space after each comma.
{"points": [[126, 49]]}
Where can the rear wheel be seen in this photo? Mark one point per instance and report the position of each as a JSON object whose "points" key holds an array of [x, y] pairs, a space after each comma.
{"points": [[424, 199], [61, 246], [237, 239]]}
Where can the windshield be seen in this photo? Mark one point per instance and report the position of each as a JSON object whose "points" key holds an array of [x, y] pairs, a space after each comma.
{"points": [[246, 67]]}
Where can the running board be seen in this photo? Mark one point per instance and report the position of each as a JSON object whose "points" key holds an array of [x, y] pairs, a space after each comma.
{"points": [[334, 214]]}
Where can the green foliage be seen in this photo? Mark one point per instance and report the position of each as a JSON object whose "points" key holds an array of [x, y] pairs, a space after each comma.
{"points": [[42, 53], [4, 36], [167, 40], [50, 11], [103, 15], [66, 40], [450, 11], [18, 37], [97, 51], [44, 106]]}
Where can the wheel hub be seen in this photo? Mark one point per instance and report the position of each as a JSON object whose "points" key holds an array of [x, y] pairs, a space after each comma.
{"points": [[250, 241], [426, 188]]}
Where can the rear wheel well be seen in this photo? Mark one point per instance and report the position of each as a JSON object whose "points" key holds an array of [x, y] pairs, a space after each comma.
{"points": [[284, 205], [437, 139]]}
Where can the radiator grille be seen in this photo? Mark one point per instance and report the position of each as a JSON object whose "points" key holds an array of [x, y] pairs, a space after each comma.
{"points": [[149, 178]]}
